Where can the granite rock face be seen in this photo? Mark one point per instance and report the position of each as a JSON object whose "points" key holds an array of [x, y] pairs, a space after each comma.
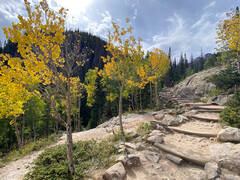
{"points": [[196, 85]]}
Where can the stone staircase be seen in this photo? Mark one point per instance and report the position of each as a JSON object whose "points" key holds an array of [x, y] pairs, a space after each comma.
{"points": [[186, 143], [192, 140]]}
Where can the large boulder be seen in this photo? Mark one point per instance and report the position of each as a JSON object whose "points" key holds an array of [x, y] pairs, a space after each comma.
{"points": [[170, 120], [227, 155], [196, 85], [116, 172], [229, 134], [220, 99]]}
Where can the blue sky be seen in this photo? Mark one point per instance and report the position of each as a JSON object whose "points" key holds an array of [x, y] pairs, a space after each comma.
{"points": [[186, 25]]}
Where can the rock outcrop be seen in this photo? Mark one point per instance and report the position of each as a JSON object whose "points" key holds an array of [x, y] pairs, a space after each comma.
{"points": [[196, 85]]}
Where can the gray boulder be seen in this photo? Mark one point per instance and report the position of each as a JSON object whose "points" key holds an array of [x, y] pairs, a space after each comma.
{"points": [[220, 99], [155, 139], [170, 120], [227, 155], [152, 156], [156, 132], [159, 116], [212, 170], [116, 172], [229, 134]]}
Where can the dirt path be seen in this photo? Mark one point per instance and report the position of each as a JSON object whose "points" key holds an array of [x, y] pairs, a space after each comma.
{"points": [[17, 169]]}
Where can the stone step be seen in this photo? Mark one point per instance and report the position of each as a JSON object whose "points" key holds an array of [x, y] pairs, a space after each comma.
{"points": [[205, 117], [199, 126], [195, 133], [192, 157], [208, 111], [210, 107], [196, 104]]}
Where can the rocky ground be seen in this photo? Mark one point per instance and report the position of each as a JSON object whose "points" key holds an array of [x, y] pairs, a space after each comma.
{"points": [[189, 146]]}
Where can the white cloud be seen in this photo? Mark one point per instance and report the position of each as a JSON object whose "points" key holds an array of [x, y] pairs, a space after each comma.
{"points": [[201, 21], [11, 9], [211, 4], [184, 37], [101, 28]]}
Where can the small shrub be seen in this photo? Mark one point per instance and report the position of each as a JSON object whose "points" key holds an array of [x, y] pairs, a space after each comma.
{"points": [[230, 116], [144, 129], [29, 148], [226, 79], [87, 156], [117, 137], [215, 92]]}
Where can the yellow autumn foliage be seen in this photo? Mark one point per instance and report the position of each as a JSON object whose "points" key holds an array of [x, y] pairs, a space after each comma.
{"points": [[228, 37], [157, 65], [39, 37]]}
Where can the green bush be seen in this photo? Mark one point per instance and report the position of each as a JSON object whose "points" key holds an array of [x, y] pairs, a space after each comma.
{"points": [[215, 92], [117, 137], [29, 148], [230, 116], [87, 155], [226, 79], [143, 129]]}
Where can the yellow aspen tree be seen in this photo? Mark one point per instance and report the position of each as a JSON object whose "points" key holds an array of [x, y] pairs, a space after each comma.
{"points": [[124, 64], [228, 36], [13, 94], [39, 37], [156, 67]]}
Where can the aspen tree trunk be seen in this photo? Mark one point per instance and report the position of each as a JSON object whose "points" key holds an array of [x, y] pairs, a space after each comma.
{"points": [[132, 101], [120, 111], [136, 99], [156, 94], [140, 97], [22, 131], [18, 136], [34, 131], [47, 127], [79, 115], [69, 132], [56, 126], [150, 94]]}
